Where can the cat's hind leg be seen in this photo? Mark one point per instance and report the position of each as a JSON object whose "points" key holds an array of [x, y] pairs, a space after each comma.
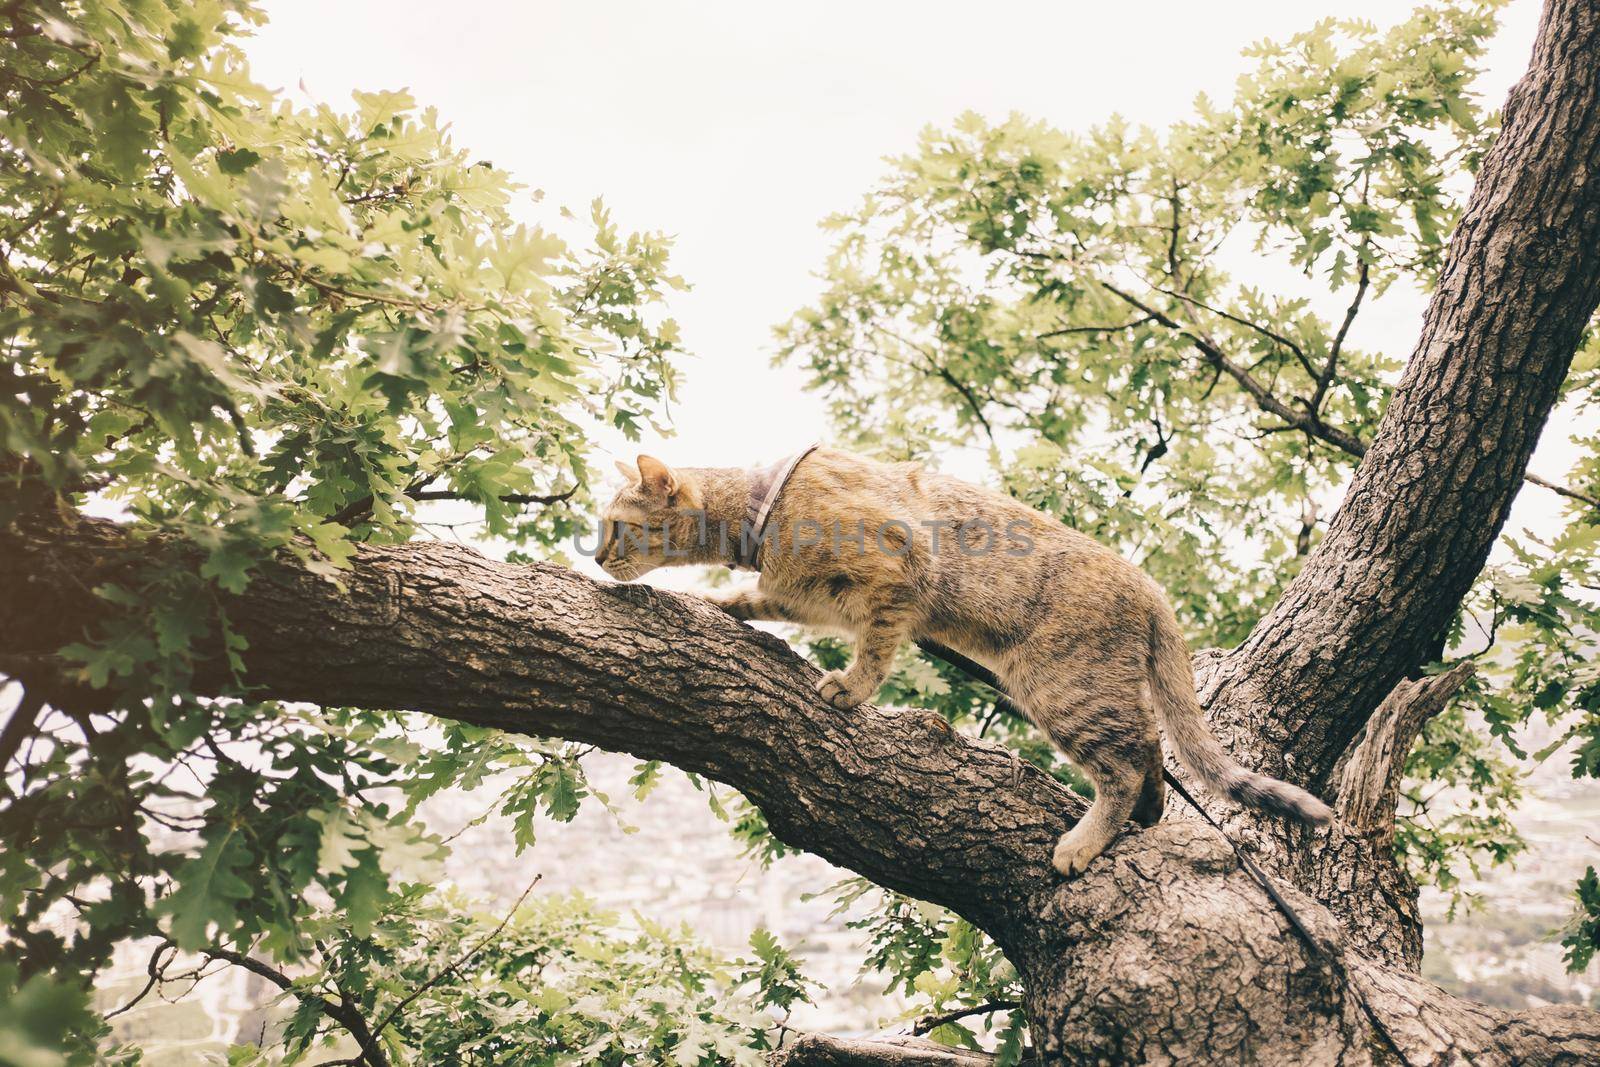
{"points": [[1116, 791], [1109, 734], [1153, 795]]}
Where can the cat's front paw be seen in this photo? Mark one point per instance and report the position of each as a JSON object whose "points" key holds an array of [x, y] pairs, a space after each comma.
{"points": [[735, 604], [834, 687], [732, 607]]}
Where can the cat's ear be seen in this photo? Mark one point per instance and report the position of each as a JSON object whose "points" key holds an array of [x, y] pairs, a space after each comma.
{"points": [[628, 472], [660, 479]]}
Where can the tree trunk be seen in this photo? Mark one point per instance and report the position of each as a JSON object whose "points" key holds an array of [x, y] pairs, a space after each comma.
{"points": [[1165, 951]]}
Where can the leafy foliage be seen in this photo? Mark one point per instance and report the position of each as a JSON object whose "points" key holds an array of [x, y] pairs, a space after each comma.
{"points": [[939, 961], [1452, 759], [35, 1013], [1071, 299], [556, 981], [1583, 940]]}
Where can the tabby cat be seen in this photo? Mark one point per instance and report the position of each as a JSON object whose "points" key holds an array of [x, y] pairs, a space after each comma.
{"points": [[1084, 642]]}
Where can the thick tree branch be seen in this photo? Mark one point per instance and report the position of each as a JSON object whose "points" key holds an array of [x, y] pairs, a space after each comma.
{"points": [[435, 627], [1369, 785]]}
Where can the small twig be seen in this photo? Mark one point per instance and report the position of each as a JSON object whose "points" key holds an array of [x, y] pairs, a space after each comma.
{"points": [[1325, 379], [1570, 494], [393, 192], [1156, 451], [51, 83], [1308, 525], [330, 289], [155, 969], [988, 719], [944, 374], [1264, 398], [357, 509], [1172, 240], [455, 964], [1115, 327], [1271, 335], [929, 1023], [509, 498], [1307, 421]]}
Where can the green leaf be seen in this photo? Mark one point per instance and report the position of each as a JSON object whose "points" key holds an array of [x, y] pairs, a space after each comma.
{"points": [[1583, 936], [407, 853], [237, 160], [211, 886], [646, 776], [343, 836], [563, 791], [1010, 1050], [364, 895], [1461, 112]]}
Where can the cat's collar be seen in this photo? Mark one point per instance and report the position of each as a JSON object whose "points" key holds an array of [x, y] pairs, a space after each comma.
{"points": [[766, 485]]}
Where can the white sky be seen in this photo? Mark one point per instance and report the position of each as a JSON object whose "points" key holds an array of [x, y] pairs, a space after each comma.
{"points": [[737, 126]]}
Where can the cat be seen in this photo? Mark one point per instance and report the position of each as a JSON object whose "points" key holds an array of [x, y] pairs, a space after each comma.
{"points": [[1085, 643]]}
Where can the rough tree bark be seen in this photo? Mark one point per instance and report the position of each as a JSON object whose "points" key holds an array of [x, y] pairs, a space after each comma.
{"points": [[1165, 950]]}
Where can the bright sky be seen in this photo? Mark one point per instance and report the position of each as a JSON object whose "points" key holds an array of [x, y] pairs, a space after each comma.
{"points": [[737, 126]]}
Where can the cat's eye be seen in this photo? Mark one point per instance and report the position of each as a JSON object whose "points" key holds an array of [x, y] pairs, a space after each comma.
{"points": [[618, 537], [631, 534]]}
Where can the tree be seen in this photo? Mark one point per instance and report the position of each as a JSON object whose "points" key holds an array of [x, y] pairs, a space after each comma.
{"points": [[326, 327]]}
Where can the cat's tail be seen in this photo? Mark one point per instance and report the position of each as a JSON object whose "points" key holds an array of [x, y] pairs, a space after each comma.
{"points": [[1172, 682]]}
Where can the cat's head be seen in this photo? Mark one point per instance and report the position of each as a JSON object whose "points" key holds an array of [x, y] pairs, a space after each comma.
{"points": [[656, 507]]}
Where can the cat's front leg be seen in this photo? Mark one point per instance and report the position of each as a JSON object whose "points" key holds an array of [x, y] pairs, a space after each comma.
{"points": [[858, 683], [750, 604]]}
